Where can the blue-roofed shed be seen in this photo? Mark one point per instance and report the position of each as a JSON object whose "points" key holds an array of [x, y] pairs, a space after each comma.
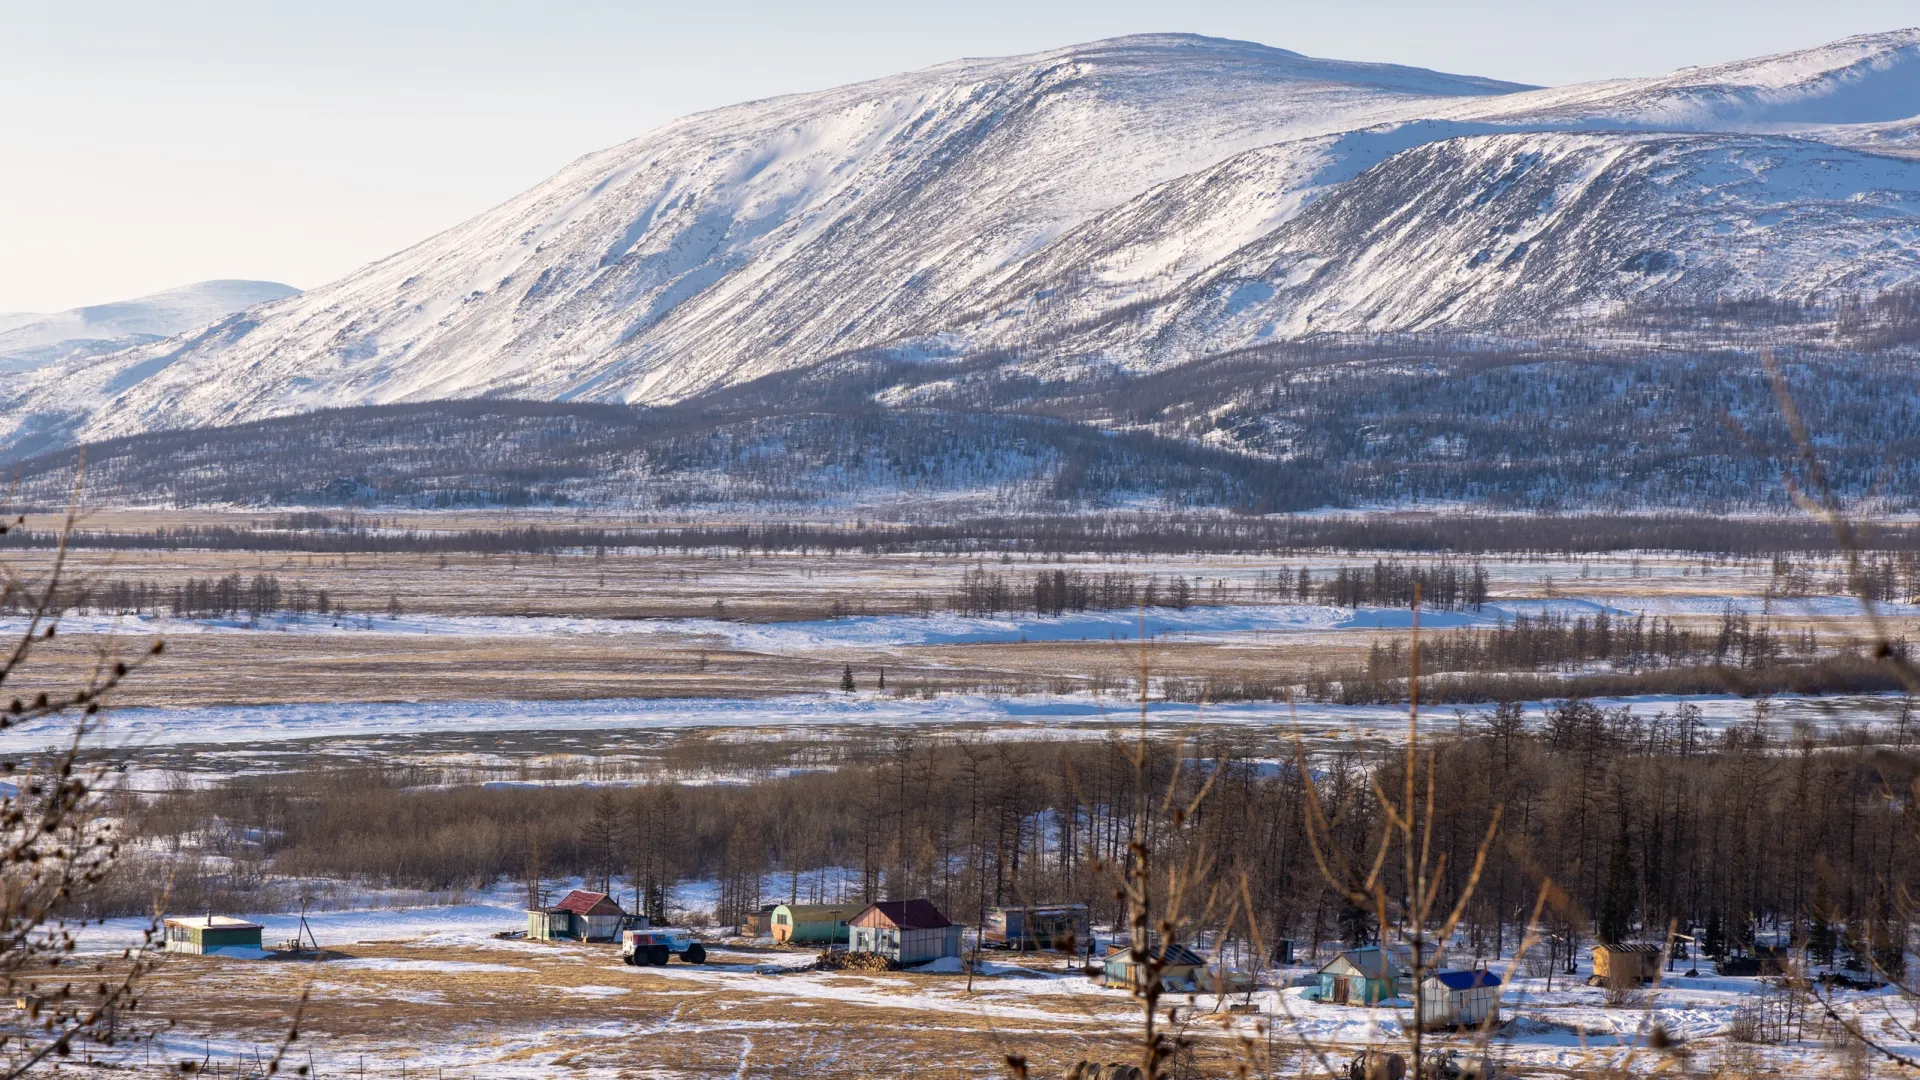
{"points": [[1460, 998]]}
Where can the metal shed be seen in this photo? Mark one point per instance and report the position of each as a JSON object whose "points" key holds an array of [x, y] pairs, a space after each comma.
{"points": [[1460, 998], [812, 924], [207, 934], [579, 916], [1181, 970], [1038, 926], [904, 931]]}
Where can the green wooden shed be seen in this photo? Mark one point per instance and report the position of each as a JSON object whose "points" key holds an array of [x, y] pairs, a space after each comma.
{"points": [[1360, 977], [208, 934]]}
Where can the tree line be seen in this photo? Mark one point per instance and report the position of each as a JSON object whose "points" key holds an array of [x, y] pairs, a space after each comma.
{"points": [[1055, 592], [1890, 548], [1743, 832], [211, 597], [1441, 584], [1553, 639], [1554, 654]]}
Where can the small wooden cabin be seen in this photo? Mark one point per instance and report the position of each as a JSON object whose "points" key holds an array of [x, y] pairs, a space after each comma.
{"points": [[1039, 926], [579, 916], [812, 924], [1459, 999], [207, 934], [758, 923], [1183, 968], [1361, 977], [1626, 964], [905, 931]]}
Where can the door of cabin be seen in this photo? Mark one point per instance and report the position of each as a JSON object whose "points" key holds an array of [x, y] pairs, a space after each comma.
{"points": [[1342, 990]]}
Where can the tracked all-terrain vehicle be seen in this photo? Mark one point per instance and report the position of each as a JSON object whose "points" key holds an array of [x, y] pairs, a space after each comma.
{"points": [[654, 946]]}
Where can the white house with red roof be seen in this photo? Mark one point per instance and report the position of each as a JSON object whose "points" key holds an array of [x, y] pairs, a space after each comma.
{"points": [[904, 931], [581, 916]]}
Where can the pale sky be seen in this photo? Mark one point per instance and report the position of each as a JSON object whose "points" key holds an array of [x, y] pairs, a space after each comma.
{"points": [[145, 145]]}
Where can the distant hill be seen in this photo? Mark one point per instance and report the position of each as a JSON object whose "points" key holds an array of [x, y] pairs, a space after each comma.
{"points": [[29, 341]]}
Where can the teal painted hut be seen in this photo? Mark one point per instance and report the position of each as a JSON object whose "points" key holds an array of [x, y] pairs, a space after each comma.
{"points": [[1360, 977], [208, 934]]}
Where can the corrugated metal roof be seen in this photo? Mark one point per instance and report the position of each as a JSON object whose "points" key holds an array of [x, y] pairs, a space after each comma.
{"points": [[1370, 962], [901, 915], [1175, 956], [1465, 980], [582, 902], [214, 922], [816, 912]]}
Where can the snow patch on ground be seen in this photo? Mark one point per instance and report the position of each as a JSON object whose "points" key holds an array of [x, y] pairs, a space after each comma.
{"points": [[461, 924], [589, 991]]}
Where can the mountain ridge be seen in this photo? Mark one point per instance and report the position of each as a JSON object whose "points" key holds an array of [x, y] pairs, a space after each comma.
{"points": [[1058, 197]]}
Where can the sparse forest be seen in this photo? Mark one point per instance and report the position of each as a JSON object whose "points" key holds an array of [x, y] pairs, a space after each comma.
{"points": [[1644, 817], [1892, 555], [1524, 426]]}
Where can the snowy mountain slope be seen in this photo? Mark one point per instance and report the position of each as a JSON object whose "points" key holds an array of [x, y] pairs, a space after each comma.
{"points": [[1146, 199], [32, 340], [1867, 79], [1148, 248], [1841, 93], [1900, 138], [1490, 230], [752, 238]]}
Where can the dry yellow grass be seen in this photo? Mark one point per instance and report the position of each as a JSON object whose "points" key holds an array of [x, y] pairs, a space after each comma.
{"points": [[567, 1008]]}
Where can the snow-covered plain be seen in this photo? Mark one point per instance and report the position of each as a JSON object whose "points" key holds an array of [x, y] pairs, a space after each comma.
{"points": [[1202, 623], [848, 632], [1031, 716], [1016, 716]]}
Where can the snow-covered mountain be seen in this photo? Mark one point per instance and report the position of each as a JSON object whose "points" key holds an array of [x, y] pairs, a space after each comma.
{"points": [[1514, 229], [1142, 200], [29, 341]]}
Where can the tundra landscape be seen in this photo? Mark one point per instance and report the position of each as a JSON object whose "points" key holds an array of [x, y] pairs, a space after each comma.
{"points": [[1159, 558], [406, 727]]}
